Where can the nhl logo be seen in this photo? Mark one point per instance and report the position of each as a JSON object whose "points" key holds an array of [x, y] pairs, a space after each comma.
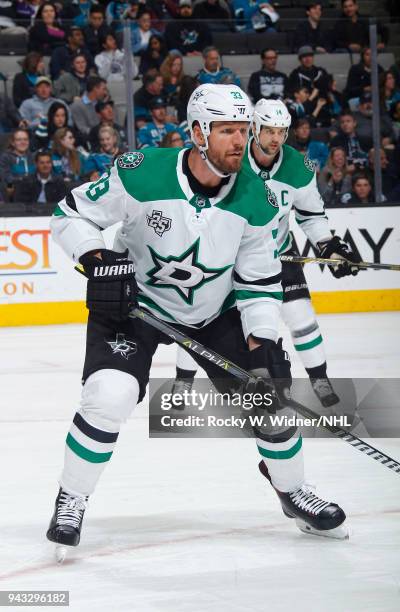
{"points": [[264, 175], [271, 197], [130, 160], [310, 165]]}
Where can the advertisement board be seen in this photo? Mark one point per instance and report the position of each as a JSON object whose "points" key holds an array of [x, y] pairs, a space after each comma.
{"points": [[38, 283]]}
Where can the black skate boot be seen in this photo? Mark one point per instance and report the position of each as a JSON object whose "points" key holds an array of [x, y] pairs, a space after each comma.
{"points": [[312, 514], [66, 522], [180, 386], [324, 391]]}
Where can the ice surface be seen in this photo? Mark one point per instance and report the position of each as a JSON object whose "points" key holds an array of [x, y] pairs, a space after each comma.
{"points": [[190, 525]]}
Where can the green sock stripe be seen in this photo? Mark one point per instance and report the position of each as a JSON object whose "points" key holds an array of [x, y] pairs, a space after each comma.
{"points": [[286, 454], [242, 294], [308, 345], [86, 454]]}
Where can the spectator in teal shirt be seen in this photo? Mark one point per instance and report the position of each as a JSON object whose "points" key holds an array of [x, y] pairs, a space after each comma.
{"points": [[213, 71]]}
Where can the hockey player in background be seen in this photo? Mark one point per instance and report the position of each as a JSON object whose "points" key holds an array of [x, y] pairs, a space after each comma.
{"points": [[192, 251], [291, 177]]}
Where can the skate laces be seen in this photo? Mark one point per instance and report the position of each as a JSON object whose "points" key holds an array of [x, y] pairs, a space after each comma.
{"points": [[305, 499], [70, 509]]}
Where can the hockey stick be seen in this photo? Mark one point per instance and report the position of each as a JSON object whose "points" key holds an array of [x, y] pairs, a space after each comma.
{"points": [[335, 262], [238, 372]]}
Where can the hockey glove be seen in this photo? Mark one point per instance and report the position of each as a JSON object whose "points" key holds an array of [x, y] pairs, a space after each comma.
{"points": [[336, 248], [111, 287], [270, 365]]}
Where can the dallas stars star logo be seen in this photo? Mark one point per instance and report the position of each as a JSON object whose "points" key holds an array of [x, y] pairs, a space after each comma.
{"points": [[184, 273]]}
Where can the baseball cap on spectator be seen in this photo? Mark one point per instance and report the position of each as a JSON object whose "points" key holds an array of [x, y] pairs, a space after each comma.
{"points": [[102, 104], [365, 98], [157, 103], [305, 50], [185, 2], [43, 79]]}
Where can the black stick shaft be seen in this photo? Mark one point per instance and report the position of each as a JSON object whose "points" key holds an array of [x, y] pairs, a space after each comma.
{"points": [[238, 372]]}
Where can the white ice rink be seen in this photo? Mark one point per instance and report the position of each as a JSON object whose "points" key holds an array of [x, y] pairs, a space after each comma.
{"points": [[190, 525]]}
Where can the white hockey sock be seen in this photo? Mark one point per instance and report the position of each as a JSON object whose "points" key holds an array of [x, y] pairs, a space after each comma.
{"points": [[184, 361], [108, 398], [87, 452], [284, 461], [299, 316]]}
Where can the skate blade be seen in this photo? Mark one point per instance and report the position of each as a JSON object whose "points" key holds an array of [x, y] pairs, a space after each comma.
{"points": [[338, 533], [61, 553]]}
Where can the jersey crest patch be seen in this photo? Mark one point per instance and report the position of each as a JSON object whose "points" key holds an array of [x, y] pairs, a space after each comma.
{"points": [[184, 273], [271, 197], [130, 160], [122, 346], [159, 223], [309, 164]]}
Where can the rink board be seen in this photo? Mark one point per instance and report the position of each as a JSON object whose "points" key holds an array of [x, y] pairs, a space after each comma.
{"points": [[38, 283]]}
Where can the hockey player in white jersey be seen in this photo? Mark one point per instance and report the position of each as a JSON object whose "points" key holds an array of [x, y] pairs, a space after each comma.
{"points": [[291, 178], [194, 253]]}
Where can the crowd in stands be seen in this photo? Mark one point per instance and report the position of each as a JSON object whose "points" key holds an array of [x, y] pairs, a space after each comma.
{"points": [[59, 127]]}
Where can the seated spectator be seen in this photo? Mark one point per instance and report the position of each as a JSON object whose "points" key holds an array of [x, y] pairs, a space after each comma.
{"points": [[67, 161], [82, 11], [153, 87], [172, 140], [96, 30], [141, 34], [316, 151], [100, 161], [336, 103], [347, 139], [26, 10], [187, 35], [267, 82], [117, 11], [361, 190], [61, 58], [213, 71], [17, 161], [172, 73], [10, 117], [363, 118], [335, 179], [111, 61], [316, 79], [42, 187], [105, 112], [46, 34], [351, 32], [57, 117], [151, 134], [310, 32], [154, 55], [212, 10], [187, 87], [256, 15], [71, 85], [359, 77], [299, 105], [389, 92], [24, 81], [34, 109], [395, 117], [389, 172], [84, 110]]}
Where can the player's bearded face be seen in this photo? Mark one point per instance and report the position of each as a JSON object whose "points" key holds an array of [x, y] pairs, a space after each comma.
{"points": [[271, 139], [227, 144]]}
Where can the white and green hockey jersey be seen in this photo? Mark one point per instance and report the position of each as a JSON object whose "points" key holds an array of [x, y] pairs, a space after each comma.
{"points": [[194, 257], [293, 181]]}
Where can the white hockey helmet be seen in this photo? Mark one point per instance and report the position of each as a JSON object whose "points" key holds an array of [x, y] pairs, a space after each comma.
{"points": [[213, 102], [271, 113]]}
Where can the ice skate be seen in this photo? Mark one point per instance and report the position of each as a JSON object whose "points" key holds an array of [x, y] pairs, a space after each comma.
{"points": [[66, 522], [324, 391], [312, 514], [182, 387]]}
